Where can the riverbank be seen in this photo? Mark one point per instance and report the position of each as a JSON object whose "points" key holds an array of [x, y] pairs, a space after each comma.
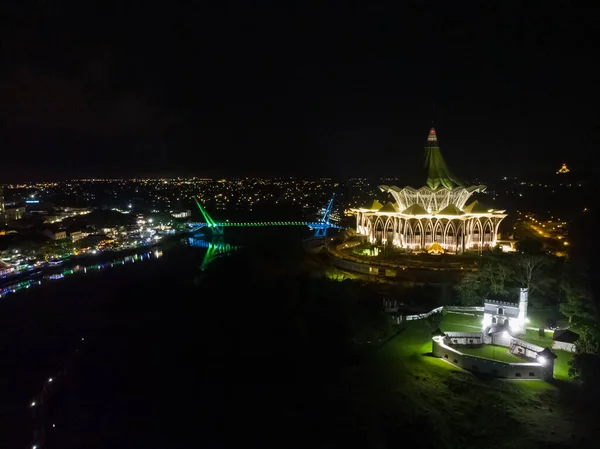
{"points": [[86, 259]]}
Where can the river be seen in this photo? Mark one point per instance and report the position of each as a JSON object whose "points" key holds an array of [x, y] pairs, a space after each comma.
{"points": [[124, 325]]}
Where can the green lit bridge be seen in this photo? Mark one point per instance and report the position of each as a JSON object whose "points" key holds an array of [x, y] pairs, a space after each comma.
{"points": [[320, 227]]}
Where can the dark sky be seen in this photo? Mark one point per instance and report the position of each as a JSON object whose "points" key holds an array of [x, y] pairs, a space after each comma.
{"points": [[256, 88]]}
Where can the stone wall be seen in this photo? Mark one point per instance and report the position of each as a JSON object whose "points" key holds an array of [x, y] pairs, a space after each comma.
{"points": [[459, 309], [561, 345], [496, 368], [423, 315], [364, 268], [464, 338]]}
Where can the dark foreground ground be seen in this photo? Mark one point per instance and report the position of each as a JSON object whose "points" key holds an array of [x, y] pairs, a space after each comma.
{"points": [[253, 354], [169, 358]]}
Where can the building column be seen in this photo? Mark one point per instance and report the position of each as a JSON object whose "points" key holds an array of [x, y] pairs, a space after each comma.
{"points": [[496, 226]]}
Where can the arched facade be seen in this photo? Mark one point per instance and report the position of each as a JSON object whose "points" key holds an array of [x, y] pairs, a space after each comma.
{"points": [[437, 212], [454, 234]]}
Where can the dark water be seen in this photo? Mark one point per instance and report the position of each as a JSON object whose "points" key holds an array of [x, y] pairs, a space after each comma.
{"points": [[141, 355]]}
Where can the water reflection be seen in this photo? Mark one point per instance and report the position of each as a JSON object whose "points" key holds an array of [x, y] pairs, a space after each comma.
{"points": [[215, 248], [39, 278]]}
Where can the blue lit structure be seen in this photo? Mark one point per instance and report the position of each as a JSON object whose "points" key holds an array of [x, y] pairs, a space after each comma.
{"points": [[322, 226]]}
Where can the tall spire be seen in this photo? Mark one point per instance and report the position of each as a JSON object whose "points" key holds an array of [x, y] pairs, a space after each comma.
{"points": [[438, 174]]}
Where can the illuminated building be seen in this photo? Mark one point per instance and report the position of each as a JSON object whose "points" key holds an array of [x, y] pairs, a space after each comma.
{"points": [[436, 212], [14, 213], [506, 315], [563, 169], [55, 234], [181, 214]]}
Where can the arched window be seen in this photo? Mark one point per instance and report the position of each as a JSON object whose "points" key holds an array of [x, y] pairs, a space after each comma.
{"points": [[438, 234], [428, 234]]}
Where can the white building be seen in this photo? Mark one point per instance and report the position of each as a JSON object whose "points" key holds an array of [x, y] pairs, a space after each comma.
{"points": [[437, 212], [508, 315], [77, 235], [181, 214], [565, 340], [55, 234]]}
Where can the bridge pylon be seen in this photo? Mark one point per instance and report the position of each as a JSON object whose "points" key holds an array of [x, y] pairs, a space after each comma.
{"points": [[216, 229], [324, 223]]}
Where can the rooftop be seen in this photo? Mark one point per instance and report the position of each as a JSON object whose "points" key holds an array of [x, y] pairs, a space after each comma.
{"points": [[439, 175], [501, 303], [565, 336]]}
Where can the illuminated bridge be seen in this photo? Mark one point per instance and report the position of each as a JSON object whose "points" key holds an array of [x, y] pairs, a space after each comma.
{"points": [[320, 227]]}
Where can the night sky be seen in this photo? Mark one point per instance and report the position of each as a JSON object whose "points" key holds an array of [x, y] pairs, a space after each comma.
{"points": [[258, 88]]}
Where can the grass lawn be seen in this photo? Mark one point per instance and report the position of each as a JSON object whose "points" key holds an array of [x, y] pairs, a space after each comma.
{"points": [[451, 321], [532, 336], [561, 365], [540, 315], [458, 328], [412, 392], [492, 352]]}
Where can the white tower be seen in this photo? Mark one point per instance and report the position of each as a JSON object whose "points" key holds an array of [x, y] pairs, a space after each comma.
{"points": [[523, 300]]}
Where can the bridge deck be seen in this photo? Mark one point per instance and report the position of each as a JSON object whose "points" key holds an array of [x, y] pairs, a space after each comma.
{"points": [[268, 223]]}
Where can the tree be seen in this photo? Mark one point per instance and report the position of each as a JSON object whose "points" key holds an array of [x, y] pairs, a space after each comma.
{"points": [[497, 276], [585, 364], [529, 272], [576, 302], [494, 277], [471, 289], [500, 275]]}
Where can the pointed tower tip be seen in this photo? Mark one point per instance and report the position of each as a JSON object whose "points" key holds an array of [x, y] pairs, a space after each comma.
{"points": [[439, 176], [431, 137]]}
